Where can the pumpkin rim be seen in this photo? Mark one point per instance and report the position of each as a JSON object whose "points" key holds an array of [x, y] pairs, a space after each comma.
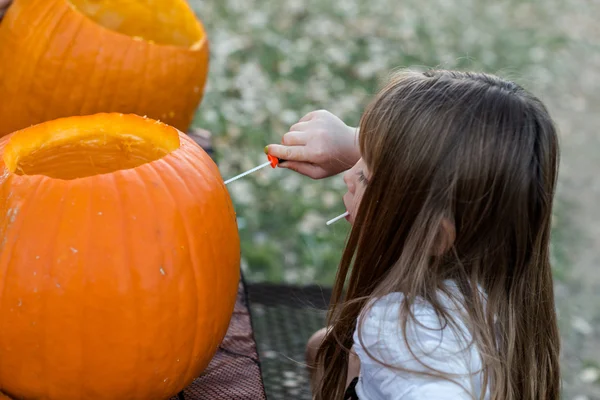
{"points": [[66, 130], [196, 46]]}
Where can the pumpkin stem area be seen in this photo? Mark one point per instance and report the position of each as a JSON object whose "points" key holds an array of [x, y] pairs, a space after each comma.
{"points": [[167, 22], [80, 147]]}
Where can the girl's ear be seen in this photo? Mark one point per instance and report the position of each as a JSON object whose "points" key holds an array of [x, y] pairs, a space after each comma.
{"points": [[446, 236]]}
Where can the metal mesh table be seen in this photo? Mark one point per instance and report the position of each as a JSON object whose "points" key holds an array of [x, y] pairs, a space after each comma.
{"points": [[284, 317]]}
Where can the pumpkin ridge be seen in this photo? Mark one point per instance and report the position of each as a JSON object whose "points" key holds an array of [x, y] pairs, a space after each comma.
{"points": [[119, 80], [143, 193], [202, 179], [33, 194], [221, 194], [85, 271], [207, 163], [151, 202], [169, 91], [97, 104], [128, 260], [46, 367], [46, 44], [185, 99], [167, 190], [58, 82], [190, 251], [140, 85], [8, 254], [4, 273], [91, 77]]}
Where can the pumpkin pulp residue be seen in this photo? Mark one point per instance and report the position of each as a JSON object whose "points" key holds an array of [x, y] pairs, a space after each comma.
{"points": [[91, 155], [167, 22]]}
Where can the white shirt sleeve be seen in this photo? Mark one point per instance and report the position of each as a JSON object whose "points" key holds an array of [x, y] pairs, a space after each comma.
{"points": [[440, 349]]}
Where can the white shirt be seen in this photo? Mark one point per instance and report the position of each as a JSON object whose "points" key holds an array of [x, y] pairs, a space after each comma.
{"points": [[442, 349]]}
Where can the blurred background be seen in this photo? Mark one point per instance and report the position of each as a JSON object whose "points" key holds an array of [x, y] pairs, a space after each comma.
{"points": [[272, 61]]}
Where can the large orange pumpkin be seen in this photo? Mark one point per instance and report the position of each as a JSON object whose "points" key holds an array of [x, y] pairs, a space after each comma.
{"points": [[119, 259], [61, 58]]}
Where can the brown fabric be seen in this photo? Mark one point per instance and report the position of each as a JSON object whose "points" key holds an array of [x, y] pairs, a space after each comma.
{"points": [[234, 373]]}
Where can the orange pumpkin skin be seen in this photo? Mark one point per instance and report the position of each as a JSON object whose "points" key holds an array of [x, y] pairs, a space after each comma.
{"points": [[59, 62], [118, 285]]}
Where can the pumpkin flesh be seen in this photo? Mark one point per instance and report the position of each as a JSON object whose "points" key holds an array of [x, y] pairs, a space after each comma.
{"points": [[113, 284], [169, 22]]}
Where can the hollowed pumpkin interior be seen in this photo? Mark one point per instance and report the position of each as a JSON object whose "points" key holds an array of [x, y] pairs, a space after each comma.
{"points": [[80, 147], [169, 22]]}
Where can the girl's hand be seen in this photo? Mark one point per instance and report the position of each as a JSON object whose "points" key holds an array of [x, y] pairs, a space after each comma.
{"points": [[320, 145]]}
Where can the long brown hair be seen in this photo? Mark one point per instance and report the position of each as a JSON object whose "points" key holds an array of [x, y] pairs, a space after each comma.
{"points": [[481, 153]]}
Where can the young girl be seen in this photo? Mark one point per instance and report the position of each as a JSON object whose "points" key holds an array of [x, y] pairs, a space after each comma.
{"points": [[444, 290]]}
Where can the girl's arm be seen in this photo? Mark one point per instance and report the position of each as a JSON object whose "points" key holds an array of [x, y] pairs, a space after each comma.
{"points": [[319, 145]]}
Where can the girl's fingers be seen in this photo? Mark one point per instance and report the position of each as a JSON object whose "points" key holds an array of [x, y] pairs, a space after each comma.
{"points": [[288, 153], [308, 116], [295, 138], [304, 168], [301, 126]]}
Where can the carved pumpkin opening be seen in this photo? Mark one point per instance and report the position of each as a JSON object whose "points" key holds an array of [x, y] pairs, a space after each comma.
{"points": [[86, 146], [169, 22]]}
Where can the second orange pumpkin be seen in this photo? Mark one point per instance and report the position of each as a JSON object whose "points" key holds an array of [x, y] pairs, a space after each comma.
{"points": [[63, 58]]}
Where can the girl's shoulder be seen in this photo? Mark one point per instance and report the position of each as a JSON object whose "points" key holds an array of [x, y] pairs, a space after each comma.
{"points": [[428, 344], [379, 327]]}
